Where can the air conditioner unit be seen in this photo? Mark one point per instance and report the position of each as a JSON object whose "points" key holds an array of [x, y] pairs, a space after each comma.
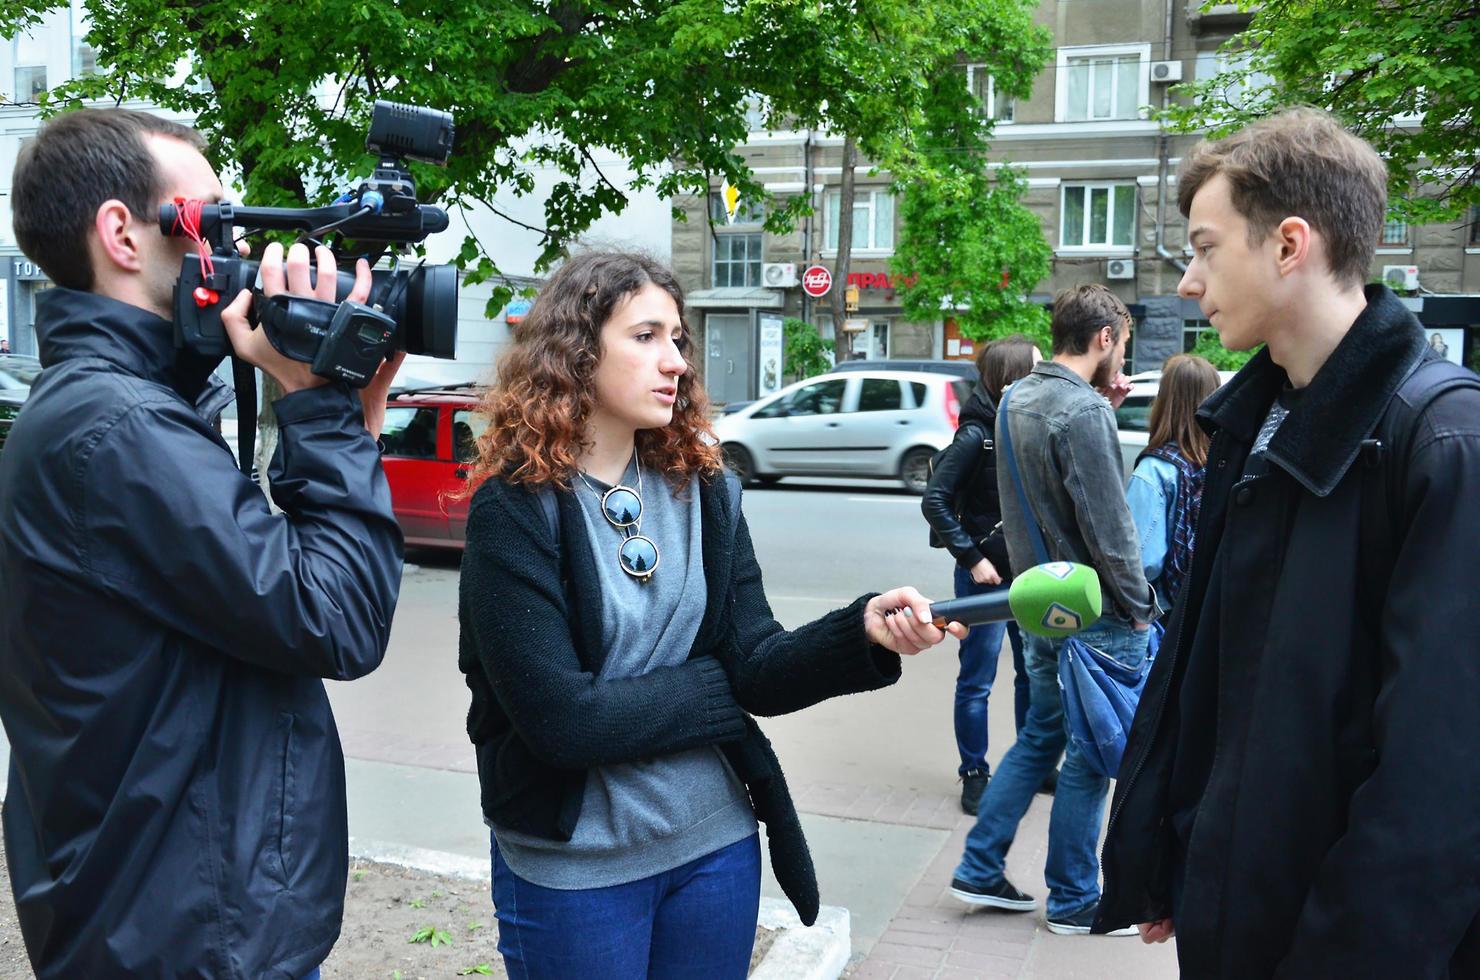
{"points": [[778, 275], [1120, 269], [1400, 276], [1166, 71]]}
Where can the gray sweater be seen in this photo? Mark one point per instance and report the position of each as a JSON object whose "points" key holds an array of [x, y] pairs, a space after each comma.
{"points": [[643, 818]]}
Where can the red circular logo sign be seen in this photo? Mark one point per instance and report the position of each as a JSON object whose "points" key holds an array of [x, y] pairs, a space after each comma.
{"points": [[817, 280]]}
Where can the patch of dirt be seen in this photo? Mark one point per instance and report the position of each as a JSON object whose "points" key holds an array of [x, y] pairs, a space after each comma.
{"points": [[385, 906]]}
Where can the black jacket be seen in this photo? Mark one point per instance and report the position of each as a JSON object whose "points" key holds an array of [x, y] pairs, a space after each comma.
{"points": [[540, 717], [960, 501], [1322, 693], [176, 800]]}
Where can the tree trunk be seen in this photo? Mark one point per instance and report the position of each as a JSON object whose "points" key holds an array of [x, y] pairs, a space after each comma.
{"points": [[842, 341]]}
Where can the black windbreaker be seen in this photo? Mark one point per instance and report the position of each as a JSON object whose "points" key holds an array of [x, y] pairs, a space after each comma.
{"points": [[176, 799]]}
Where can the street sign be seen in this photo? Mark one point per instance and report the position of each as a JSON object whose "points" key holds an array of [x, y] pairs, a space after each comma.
{"points": [[855, 325], [817, 280]]}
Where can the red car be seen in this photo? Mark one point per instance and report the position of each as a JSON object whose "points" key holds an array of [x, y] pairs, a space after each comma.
{"points": [[430, 439]]}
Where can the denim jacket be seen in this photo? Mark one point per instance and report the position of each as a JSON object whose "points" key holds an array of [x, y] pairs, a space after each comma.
{"points": [[1151, 496], [1067, 453]]}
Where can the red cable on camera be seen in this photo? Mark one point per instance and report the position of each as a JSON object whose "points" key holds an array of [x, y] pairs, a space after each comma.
{"points": [[187, 224]]}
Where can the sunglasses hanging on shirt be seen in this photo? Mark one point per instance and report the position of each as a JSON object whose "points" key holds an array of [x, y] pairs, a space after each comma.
{"points": [[622, 507]]}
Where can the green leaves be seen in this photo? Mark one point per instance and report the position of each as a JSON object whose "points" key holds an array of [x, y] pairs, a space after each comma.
{"points": [[561, 90], [804, 351], [1402, 75], [431, 934], [482, 969], [968, 249]]}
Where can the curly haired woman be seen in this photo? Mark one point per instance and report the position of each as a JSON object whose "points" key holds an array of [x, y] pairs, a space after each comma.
{"points": [[617, 641]]}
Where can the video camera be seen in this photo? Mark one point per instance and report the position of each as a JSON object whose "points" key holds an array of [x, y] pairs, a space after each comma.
{"points": [[413, 310]]}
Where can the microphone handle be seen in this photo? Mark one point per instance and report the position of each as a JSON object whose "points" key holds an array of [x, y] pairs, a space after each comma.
{"points": [[989, 607]]}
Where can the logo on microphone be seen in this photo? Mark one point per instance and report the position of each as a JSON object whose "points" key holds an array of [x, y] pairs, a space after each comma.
{"points": [[1058, 569], [1060, 618]]}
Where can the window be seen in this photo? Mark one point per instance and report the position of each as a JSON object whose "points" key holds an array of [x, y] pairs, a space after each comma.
{"points": [[917, 390], [30, 68], [1191, 331], [1134, 414], [84, 57], [746, 212], [410, 433], [873, 220], [1394, 232], [1475, 225], [880, 395], [1098, 216], [1100, 83], [1250, 90], [467, 427], [822, 398], [979, 82], [737, 252], [1129, 367]]}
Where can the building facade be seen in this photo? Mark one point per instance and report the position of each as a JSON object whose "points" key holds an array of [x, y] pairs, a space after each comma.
{"points": [[1101, 178]]}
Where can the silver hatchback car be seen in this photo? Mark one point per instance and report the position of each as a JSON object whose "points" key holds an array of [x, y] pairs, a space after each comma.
{"points": [[871, 424]]}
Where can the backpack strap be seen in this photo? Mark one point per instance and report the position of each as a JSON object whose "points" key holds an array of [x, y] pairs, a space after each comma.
{"points": [[1384, 459], [552, 512]]}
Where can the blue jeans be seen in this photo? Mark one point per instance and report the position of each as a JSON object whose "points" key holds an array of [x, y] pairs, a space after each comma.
{"points": [[978, 654], [696, 921], [312, 974], [1072, 872]]}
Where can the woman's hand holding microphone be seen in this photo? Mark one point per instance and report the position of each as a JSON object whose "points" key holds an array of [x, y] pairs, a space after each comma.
{"points": [[899, 620]]}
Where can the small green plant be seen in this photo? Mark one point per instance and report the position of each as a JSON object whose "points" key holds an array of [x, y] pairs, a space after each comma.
{"points": [[358, 876], [431, 935], [418, 903], [804, 350], [483, 969], [395, 975], [436, 895], [474, 925]]}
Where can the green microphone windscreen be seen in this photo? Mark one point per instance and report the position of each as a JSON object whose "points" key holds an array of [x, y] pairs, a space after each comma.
{"points": [[1057, 599]]}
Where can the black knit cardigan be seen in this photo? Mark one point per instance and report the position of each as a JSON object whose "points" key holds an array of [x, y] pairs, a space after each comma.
{"points": [[531, 651]]}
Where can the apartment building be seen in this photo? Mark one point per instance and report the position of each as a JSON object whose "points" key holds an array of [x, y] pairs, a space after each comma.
{"points": [[1101, 177]]}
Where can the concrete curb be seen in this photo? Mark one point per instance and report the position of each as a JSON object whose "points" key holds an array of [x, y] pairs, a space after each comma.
{"points": [[799, 953]]}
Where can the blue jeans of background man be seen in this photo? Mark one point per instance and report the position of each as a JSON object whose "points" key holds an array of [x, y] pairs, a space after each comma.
{"points": [[978, 654], [1072, 871], [696, 921]]}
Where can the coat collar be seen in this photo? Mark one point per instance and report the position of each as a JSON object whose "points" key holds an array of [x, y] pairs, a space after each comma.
{"points": [[73, 324], [1321, 437]]}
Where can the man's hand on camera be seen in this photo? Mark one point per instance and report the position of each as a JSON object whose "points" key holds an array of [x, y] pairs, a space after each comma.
{"points": [[373, 395], [252, 345]]}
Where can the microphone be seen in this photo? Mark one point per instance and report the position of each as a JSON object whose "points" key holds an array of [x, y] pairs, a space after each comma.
{"points": [[1056, 599]]}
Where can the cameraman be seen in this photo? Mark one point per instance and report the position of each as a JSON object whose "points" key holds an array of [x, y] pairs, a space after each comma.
{"points": [[176, 803]]}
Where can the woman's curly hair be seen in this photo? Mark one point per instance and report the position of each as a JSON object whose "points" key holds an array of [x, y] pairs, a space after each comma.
{"points": [[543, 394]]}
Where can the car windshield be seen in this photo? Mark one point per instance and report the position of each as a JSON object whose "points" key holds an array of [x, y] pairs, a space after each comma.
{"points": [[1134, 414]]}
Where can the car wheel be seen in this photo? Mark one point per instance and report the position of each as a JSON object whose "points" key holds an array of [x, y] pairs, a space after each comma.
{"points": [[738, 459], [768, 479], [914, 470]]}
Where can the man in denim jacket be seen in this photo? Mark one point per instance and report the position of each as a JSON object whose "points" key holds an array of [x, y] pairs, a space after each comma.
{"points": [[1068, 457]]}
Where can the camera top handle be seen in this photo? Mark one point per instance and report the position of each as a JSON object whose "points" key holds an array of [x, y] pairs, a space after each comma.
{"points": [[351, 220]]}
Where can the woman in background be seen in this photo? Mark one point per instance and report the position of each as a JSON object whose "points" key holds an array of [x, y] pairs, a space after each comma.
{"points": [[1165, 491]]}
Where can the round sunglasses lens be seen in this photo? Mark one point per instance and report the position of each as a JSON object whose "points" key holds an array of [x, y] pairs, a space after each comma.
{"points": [[622, 506], [638, 555]]}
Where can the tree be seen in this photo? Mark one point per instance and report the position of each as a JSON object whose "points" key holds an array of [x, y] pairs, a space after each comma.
{"points": [[1400, 73], [805, 351], [838, 297], [1209, 346], [967, 244], [663, 84]]}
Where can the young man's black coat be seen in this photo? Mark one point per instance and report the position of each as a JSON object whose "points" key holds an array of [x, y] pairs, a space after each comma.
{"points": [[1333, 701]]}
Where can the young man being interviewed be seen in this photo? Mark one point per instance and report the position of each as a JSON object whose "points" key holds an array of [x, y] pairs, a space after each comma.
{"points": [[1296, 797]]}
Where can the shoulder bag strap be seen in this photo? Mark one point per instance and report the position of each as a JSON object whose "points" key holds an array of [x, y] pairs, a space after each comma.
{"points": [[1034, 534]]}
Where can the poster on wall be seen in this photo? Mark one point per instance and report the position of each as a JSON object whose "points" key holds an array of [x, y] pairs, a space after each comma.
{"points": [[769, 354], [1449, 343]]}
